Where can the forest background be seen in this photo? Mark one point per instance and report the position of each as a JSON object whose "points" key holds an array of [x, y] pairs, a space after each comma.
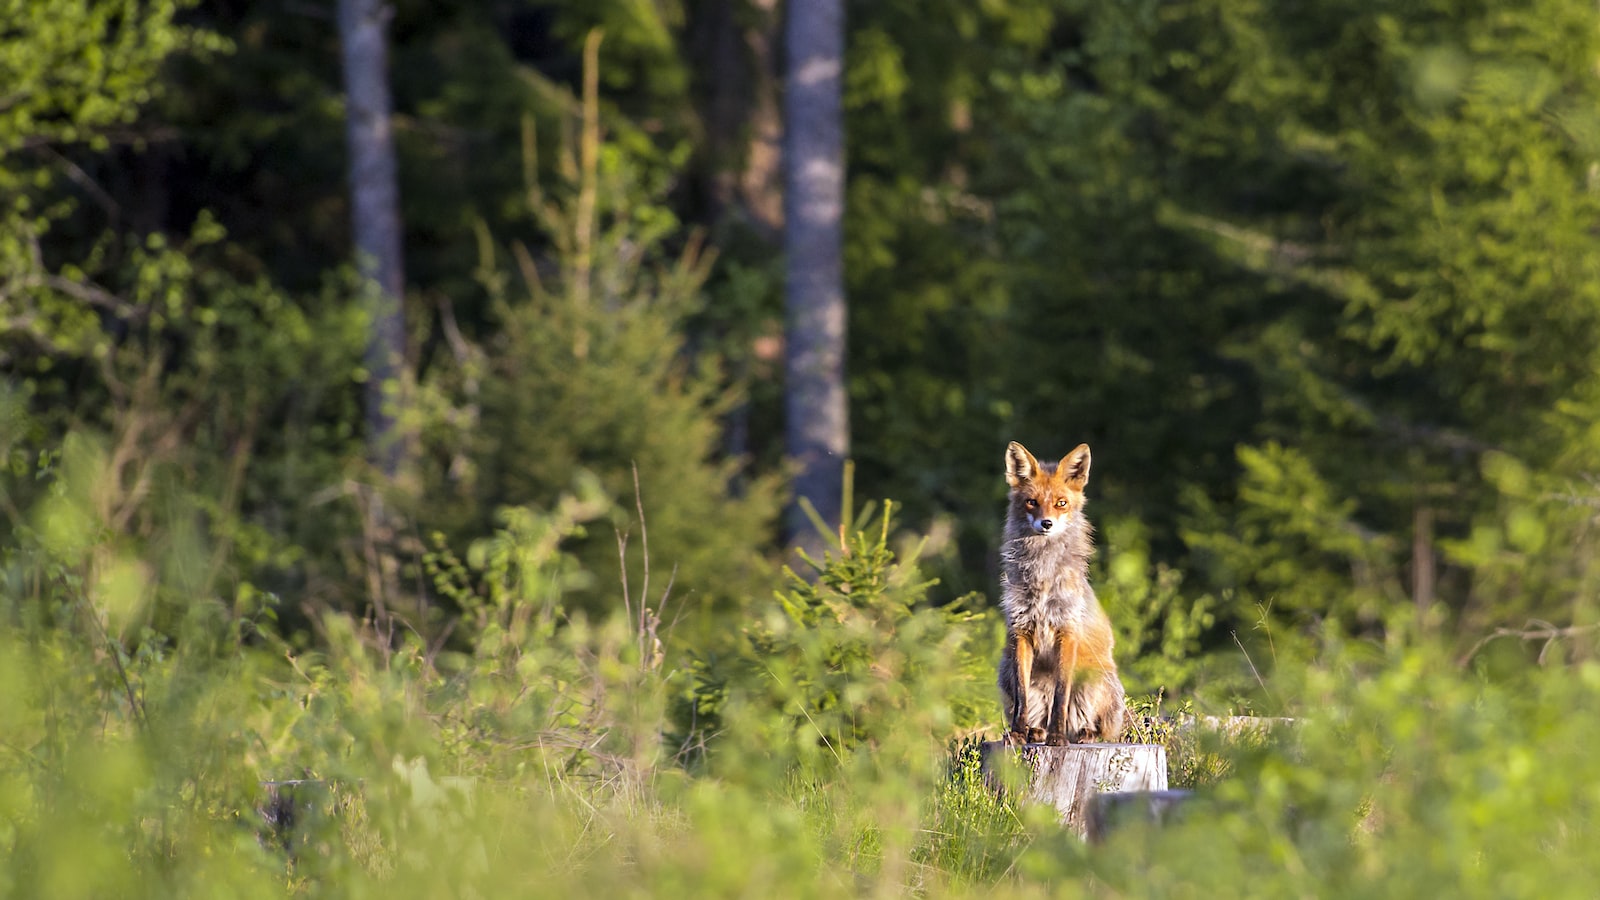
{"points": [[1317, 282]]}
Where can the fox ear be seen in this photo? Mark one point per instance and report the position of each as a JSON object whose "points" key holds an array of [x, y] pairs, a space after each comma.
{"points": [[1020, 464], [1074, 466]]}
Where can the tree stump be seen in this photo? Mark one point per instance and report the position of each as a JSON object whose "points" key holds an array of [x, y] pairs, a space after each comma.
{"points": [[287, 808], [1107, 811], [1069, 777]]}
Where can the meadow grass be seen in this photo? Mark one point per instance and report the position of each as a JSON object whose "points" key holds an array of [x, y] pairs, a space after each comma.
{"points": [[832, 753]]}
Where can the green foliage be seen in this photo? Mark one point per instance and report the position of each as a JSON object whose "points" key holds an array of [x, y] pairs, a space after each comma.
{"points": [[78, 68], [203, 374], [196, 404], [845, 656], [589, 370], [1318, 284], [1425, 304], [973, 833], [143, 775], [375, 766], [1300, 277], [1158, 628], [76, 73], [1201, 751], [197, 410], [1411, 777]]}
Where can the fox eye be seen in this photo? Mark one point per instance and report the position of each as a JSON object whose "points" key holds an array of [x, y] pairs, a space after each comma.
{"points": [[1061, 504], [1031, 504]]}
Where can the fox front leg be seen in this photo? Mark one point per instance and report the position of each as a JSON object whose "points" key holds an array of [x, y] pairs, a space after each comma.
{"points": [[1019, 655], [1067, 659], [1009, 699]]}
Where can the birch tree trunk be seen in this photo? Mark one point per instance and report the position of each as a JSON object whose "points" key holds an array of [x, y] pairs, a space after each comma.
{"points": [[375, 219], [817, 416]]}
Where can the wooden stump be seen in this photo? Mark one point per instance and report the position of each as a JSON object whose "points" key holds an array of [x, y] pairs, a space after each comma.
{"points": [[288, 807], [1067, 778], [1107, 811]]}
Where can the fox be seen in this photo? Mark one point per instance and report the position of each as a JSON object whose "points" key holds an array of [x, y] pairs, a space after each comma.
{"points": [[1058, 680]]}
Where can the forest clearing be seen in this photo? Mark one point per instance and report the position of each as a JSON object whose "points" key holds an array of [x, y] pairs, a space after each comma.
{"points": [[553, 447]]}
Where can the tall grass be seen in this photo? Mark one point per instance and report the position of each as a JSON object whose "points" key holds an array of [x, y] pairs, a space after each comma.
{"points": [[545, 754]]}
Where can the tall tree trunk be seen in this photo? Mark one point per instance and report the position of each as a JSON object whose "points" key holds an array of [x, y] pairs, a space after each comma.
{"points": [[375, 220], [818, 428], [375, 229]]}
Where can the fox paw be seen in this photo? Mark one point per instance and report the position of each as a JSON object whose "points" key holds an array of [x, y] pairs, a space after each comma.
{"points": [[1056, 740], [1014, 739], [1036, 735]]}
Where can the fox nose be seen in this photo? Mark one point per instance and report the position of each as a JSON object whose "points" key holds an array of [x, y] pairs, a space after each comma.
{"points": [[1044, 524]]}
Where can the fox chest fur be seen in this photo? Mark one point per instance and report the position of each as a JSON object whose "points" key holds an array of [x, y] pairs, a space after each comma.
{"points": [[1044, 580]]}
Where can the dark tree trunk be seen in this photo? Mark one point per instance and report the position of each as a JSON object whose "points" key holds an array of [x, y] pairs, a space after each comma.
{"points": [[744, 124], [735, 45], [375, 219], [818, 427]]}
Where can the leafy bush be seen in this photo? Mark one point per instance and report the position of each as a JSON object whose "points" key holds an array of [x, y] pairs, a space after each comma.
{"points": [[541, 754], [845, 661], [588, 369], [972, 833]]}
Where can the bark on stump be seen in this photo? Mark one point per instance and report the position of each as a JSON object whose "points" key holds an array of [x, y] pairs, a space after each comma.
{"points": [[1068, 778]]}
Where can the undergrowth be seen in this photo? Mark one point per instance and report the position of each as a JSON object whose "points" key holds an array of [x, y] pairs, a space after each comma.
{"points": [[827, 747]]}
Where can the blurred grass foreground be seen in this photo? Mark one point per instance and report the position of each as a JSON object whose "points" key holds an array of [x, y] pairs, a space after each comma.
{"points": [[537, 753]]}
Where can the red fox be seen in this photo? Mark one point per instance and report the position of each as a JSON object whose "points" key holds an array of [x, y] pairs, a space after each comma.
{"points": [[1057, 678]]}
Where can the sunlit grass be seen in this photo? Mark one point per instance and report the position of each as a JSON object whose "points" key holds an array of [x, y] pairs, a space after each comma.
{"points": [[544, 756]]}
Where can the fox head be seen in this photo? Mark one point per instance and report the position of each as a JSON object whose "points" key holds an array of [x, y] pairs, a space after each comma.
{"points": [[1044, 495]]}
